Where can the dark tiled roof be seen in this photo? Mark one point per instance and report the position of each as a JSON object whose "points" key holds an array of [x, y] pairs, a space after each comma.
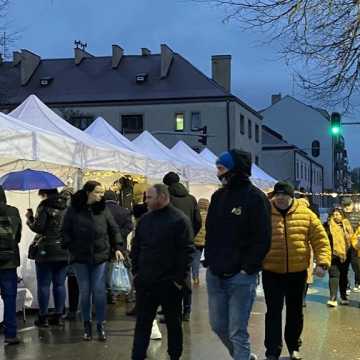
{"points": [[94, 80]]}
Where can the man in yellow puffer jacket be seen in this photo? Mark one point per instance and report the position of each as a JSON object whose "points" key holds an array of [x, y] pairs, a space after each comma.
{"points": [[294, 229]]}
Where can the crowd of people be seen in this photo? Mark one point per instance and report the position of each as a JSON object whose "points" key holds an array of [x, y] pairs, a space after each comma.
{"points": [[241, 233]]}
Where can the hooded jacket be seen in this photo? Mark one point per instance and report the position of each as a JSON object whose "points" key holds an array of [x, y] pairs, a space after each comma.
{"points": [[292, 235], [9, 249], [238, 228], [182, 200], [47, 225], [90, 232]]}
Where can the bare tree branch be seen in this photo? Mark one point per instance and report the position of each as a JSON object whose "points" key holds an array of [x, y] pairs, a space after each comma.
{"points": [[324, 35]]}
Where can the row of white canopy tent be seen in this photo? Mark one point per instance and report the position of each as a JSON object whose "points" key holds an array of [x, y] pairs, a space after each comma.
{"points": [[35, 136]]}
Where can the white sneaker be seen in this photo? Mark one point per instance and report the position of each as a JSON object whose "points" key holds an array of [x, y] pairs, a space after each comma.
{"points": [[253, 357], [332, 303], [356, 289], [155, 331]]}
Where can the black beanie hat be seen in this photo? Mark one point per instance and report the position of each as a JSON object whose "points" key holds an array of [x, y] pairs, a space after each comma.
{"points": [[242, 162], [110, 195], [171, 178], [283, 187]]}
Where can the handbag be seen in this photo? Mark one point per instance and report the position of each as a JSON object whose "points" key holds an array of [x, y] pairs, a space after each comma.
{"points": [[120, 279], [34, 247]]}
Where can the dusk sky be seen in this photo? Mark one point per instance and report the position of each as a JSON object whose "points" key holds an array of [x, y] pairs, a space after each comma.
{"points": [[49, 28]]}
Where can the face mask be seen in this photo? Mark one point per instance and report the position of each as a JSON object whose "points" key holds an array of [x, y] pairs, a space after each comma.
{"points": [[225, 178]]}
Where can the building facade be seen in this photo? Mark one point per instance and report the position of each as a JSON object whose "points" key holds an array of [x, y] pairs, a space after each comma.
{"points": [[287, 162], [161, 93], [307, 128]]}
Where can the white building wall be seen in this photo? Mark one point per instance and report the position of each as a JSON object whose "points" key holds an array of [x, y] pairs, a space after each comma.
{"points": [[301, 125]]}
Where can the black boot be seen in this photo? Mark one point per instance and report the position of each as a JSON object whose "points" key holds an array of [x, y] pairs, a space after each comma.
{"points": [[42, 322], [87, 331], [101, 332], [56, 320]]}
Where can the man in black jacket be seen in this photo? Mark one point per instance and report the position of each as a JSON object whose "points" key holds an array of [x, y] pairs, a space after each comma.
{"points": [[161, 256], [182, 200], [10, 235], [238, 236]]}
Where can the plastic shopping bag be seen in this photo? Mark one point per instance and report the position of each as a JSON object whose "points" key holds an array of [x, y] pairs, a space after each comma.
{"points": [[120, 279]]}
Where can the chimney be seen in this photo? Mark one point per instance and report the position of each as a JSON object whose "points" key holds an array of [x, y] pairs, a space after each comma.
{"points": [[117, 54], [29, 63], [16, 58], [221, 70], [80, 55], [275, 98], [145, 52], [167, 56]]}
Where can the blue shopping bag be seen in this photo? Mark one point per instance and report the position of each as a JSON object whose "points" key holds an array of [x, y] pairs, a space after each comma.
{"points": [[120, 279]]}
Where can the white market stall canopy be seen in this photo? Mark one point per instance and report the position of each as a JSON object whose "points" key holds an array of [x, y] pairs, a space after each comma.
{"points": [[101, 129], [21, 141], [97, 155], [208, 155]]}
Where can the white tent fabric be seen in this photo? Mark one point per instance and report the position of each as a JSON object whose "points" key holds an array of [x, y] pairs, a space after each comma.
{"points": [[199, 170], [101, 129], [150, 146], [98, 155], [208, 155], [21, 141], [156, 167]]}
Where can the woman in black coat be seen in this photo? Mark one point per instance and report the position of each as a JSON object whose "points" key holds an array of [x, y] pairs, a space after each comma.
{"points": [[51, 259], [92, 237]]}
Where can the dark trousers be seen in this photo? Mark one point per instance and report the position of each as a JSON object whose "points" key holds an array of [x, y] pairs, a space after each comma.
{"points": [[73, 293], [344, 280], [8, 289], [355, 264], [187, 295], [169, 297], [337, 274], [280, 288]]}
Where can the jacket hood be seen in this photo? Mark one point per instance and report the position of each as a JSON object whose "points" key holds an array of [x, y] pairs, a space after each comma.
{"points": [[79, 203], [55, 202], [178, 190], [2, 196]]}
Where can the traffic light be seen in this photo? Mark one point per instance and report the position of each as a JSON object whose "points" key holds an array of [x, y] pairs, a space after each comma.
{"points": [[335, 124], [203, 137]]}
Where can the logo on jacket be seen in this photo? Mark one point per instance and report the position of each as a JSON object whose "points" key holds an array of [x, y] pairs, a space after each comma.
{"points": [[237, 211]]}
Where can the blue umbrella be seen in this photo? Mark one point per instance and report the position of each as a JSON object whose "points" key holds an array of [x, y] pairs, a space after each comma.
{"points": [[28, 179]]}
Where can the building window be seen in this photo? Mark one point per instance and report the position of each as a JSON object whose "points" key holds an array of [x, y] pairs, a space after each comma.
{"points": [[195, 120], [257, 133], [179, 122], [242, 124], [249, 129], [302, 171], [132, 124], [297, 170], [256, 160], [81, 122], [315, 148]]}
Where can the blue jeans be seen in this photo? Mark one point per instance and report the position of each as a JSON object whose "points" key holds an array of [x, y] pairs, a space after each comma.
{"points": [[230, 303], [8, 288], [92, 287], [195, 267], [47, 273]]}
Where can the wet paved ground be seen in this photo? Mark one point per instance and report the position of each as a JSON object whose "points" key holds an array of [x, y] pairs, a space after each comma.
{"points": [[330, 334]]}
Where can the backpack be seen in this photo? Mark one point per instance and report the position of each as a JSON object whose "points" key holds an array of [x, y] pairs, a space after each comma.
{"points": [[7, 239]]}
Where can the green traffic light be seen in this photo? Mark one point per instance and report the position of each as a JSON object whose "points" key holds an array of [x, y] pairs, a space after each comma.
{"points": [[335, 130]]}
